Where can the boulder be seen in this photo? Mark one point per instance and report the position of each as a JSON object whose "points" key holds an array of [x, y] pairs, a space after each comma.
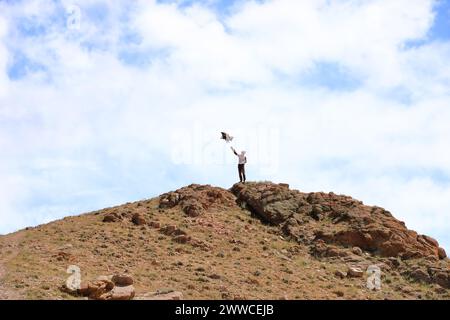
{"points": [[122, 280], [442, 279], [355, 272], [122, 293], [317, 212], [169, 200], [98, 289], [138, 219], [271, 202], [111, 217], [441, 253], [321, 249], [420, 275], [192, 208], [155, 224], [394, 262]]}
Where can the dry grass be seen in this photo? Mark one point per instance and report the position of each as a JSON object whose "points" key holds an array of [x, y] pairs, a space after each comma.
{"points": [[245, 259]]}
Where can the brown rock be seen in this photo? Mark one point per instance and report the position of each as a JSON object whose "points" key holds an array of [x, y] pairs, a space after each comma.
{"points": [[103, 288], [155, 224], [168, 230], [272, 202], [179, 232], [64, 256], [432, 258], [357, 251], [317, 212], [440, 290], [111, 217], [122, 280], [192, 208], [169, 200], [340, 274], [431, 240], [355, 272], [320, 249], [441, 253], [442, 279], [182, 239], [98, 288], [84, 288], [122, 293], [138, 219], [394, 262], [195, 199], [420, 275], [339, 293]]}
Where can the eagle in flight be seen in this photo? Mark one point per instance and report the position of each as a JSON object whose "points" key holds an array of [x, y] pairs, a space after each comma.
{"points": [[225, 136]]}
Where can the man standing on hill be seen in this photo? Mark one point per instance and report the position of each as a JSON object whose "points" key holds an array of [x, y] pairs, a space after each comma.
{"points": [[241, 164]]}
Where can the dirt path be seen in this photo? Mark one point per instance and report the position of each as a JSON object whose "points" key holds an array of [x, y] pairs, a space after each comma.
{"points": [[10, 249]]}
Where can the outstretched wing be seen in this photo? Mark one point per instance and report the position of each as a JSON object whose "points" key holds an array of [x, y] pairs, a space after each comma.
{"points": [[226, 137]]}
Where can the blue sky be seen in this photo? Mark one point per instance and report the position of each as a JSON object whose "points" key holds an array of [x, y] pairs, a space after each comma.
{"points": [[105, 102]]}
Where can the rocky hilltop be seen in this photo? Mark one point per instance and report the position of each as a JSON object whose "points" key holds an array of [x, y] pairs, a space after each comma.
{"points": [[254, 241]]}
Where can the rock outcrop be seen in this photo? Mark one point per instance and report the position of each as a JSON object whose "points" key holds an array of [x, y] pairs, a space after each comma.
{"points": [[195, 199], [335, 219], [336, 226]]}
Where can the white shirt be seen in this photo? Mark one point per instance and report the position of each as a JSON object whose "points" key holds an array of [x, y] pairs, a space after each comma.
{"points": [[242, 158]]}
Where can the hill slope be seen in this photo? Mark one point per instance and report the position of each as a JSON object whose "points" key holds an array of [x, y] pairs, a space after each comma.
{"points": [[254, 241]]}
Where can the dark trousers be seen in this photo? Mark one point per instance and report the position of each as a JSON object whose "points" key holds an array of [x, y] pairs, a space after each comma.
{"points": [[241, 169]]}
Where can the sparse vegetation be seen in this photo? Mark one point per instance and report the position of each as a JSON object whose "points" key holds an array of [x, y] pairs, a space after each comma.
{"points": [[265, 264]]}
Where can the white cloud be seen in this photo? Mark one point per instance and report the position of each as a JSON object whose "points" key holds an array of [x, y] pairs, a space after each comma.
{"points": [[3, 58], [365, 35], [90, 126], [199, 45]]}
